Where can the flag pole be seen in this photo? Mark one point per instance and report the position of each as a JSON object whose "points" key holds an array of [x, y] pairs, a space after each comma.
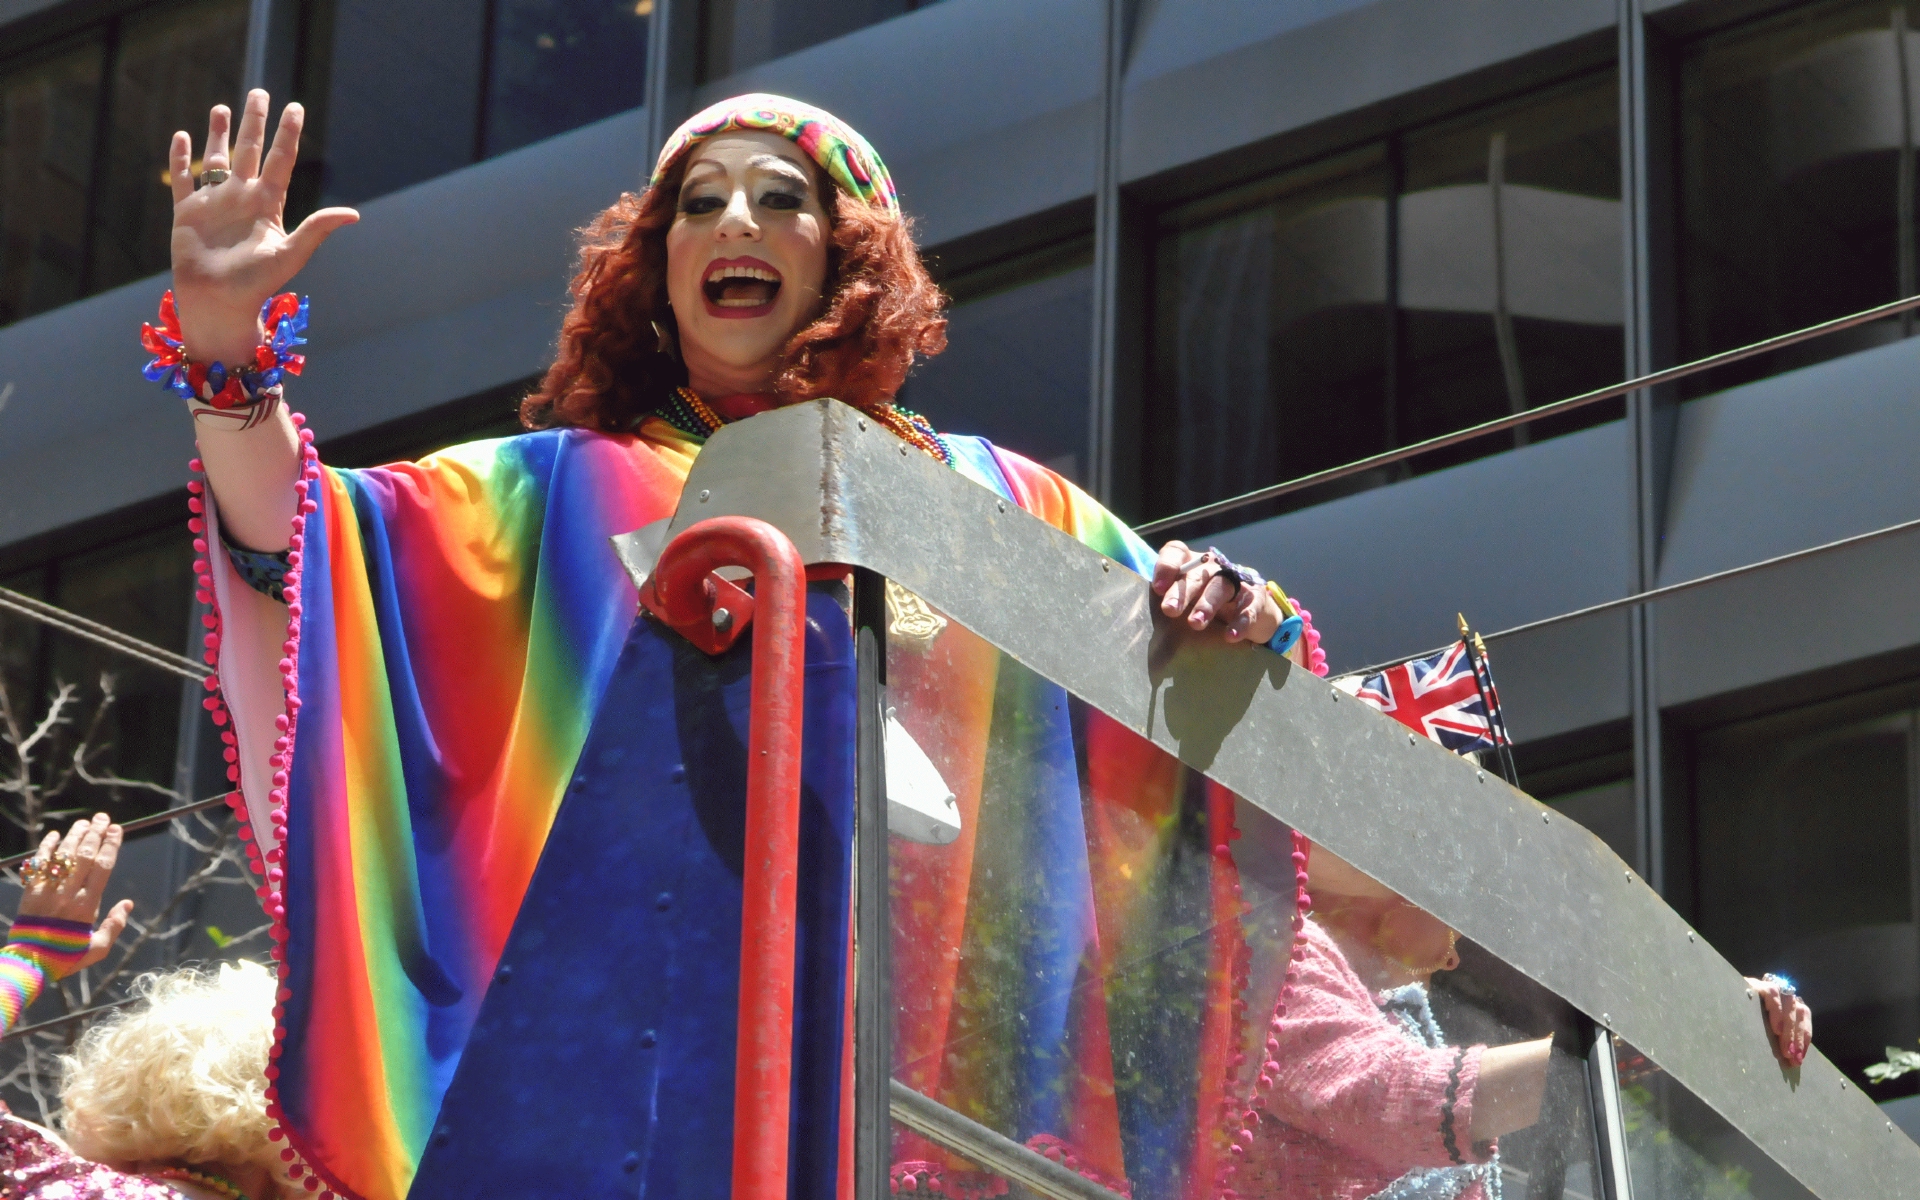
{"points": [[1496, 724]]}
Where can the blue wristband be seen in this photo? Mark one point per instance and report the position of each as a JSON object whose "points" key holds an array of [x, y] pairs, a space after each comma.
{"points": [[1288, 633]]}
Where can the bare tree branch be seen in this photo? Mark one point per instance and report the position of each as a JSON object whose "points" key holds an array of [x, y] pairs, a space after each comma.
{"points": [[40, 761]]}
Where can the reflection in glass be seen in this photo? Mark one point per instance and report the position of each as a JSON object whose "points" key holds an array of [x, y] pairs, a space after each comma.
{"points": [[1016, 367], [1679, 1149], [1797, 182], [1437, 280], [47, 110], [556, 65], [169, 69], [1510, 266], [737, 34], [1828, 902], [1272, 337], [1107, 965]]}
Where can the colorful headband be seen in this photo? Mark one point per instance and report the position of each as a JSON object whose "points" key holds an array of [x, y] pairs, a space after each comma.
{"points": [[839, 149]]}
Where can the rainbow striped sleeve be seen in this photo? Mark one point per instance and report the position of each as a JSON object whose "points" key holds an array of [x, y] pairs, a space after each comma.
{"points": [[461, 617], [38, 948], [1053, 498]]}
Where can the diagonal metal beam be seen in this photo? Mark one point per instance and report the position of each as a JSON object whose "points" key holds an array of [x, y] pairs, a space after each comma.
{"points": [[1533, 888]]}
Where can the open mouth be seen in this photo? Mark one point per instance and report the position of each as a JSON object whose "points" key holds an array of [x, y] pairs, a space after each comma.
{"points": [[740, 287]]}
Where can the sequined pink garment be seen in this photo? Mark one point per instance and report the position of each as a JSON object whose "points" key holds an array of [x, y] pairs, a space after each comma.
{"points": [[35, 1167]]}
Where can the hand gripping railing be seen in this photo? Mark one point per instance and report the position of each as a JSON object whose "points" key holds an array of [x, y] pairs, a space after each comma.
{"points": [[710, 612]]}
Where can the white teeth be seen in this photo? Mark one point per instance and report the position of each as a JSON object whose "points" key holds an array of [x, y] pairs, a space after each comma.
{"points": [[725, 273]]}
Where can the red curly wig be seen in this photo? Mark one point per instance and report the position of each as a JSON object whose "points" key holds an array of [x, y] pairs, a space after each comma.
{"points": [[881, 310]]}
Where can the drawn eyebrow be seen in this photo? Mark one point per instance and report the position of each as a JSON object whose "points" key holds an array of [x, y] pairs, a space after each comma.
{"points": [[771, 159]]}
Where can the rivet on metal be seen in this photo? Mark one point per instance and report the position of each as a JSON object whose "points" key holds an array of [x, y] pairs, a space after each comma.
{"points": [[1105, 566], [1480, 775], [1689, 935], [722, 618], [862, 423], [1001, 505], [704, 493], [1546, 819], [903, 450], [1409, 739], [1606, 1018]]}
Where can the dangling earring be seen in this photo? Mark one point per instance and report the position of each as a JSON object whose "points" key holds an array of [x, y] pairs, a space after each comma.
{"points": [[665, 343]]}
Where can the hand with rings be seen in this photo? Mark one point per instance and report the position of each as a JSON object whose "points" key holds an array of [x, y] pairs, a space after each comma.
{"points": [[1207, 589], [1789, 1019], [231, 247], [66, 879]]}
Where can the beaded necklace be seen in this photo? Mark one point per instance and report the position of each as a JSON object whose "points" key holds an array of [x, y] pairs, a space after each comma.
{"points": [[691, 415], [218, 1184]]}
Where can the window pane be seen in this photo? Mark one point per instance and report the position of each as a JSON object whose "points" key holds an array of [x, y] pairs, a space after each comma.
{"points": [[1792, 135], [170, 68], [1097, 952], [1803, 865], [1016, 366], [1679, 1149], [559, 64], [737, 34], [1271, 347], [1510, 266], [46, 161]]}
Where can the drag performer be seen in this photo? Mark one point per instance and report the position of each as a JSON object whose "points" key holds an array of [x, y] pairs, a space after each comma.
{"points": [[409, 658]]}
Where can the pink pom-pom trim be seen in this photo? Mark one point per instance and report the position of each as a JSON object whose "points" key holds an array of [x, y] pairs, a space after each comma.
{"points": [[302, 1165]]}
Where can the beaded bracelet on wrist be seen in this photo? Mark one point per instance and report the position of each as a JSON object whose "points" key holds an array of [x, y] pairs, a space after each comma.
{"points": [[238, 397]]}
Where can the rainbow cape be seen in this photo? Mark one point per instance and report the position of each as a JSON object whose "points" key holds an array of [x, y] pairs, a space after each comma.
{"points": [[461, 617]]}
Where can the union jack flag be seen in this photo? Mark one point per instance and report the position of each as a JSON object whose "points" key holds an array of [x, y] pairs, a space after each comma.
{"points": [[1444, 696]]}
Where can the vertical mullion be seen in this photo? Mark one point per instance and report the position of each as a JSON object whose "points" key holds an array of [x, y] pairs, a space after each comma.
{"points": [[1643, 692], [1913, 818], [253, 72], [1903, 198], [97, 161], [1396, 340], [483, 99], [873, 927], [1609, 1118], [673, 43], [1107, 248]]}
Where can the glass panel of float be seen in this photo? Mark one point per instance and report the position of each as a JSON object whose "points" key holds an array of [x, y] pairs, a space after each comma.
{"points": [[1099, 953], [1678, 1148]]}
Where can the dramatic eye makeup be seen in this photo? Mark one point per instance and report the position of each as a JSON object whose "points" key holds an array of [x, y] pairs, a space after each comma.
{"points": [[782, 187]]}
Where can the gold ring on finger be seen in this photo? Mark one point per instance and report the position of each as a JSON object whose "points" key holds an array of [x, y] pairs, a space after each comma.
{"points": [[212, 177], [34, 870], [61, 866]]}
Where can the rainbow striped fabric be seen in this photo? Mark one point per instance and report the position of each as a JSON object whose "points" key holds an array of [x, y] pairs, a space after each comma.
{"points": [[37, 949], [461, 617]]}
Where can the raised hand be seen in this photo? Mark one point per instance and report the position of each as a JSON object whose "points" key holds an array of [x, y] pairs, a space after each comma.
{"points": [[85, 858], [231, 248]]}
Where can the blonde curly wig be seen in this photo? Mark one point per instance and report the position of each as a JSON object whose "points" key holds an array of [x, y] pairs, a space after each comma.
{"points": [[180, 1076]]}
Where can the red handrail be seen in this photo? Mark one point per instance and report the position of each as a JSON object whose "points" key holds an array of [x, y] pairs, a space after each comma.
{"points": [[683, 592]]}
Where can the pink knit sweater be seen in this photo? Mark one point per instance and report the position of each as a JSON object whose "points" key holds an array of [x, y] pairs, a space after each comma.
{"points": [[1355, 1103]]}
